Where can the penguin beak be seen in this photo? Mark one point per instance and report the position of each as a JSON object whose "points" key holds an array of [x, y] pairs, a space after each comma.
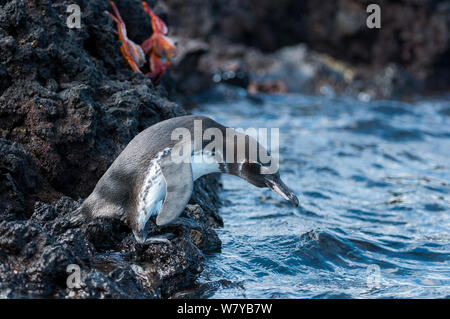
{"points": [[277, 185]]}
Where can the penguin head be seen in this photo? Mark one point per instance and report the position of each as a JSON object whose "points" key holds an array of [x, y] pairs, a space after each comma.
{"points": [[260, 176]]}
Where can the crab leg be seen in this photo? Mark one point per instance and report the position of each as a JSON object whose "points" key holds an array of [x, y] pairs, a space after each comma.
{"points": [[131, 52], [122, 31], [147, 45], [158, 24], [158, 67]]}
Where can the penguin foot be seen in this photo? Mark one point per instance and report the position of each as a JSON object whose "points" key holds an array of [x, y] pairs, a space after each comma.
{"points": [[157, 239]]}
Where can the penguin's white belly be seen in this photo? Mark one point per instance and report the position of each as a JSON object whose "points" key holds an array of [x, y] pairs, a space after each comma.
{"points": [[153, 196], [153, 191]]}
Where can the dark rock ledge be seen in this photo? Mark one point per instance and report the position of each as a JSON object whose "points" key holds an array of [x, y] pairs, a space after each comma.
{"points": [[68, 106], [312, 47]]}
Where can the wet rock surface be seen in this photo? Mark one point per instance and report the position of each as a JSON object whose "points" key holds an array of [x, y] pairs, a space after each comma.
{"points": [[68, 106], [36, 252]]}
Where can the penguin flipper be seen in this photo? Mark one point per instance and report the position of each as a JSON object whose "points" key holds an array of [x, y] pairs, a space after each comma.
{"points": [[179, 188]]}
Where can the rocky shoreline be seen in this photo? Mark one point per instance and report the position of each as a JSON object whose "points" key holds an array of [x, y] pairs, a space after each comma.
{"points": [[69, 105]]}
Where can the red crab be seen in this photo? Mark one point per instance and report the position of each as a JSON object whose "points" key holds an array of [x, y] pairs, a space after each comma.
{"points": [[161, 48], [131, 52]]}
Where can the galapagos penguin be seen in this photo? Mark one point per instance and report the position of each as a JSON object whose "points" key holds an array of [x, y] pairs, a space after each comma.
{"points": [[145, 180]]}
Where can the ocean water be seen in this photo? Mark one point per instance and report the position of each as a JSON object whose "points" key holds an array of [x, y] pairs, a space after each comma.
{"points": [[373, 180]]}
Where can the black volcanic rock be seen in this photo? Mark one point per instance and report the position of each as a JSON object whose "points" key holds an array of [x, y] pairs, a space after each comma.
{"points": [[414, 38], [68, 106]]}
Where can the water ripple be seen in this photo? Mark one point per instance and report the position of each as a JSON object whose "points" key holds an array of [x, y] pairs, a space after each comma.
{"points": [[373, 182]]}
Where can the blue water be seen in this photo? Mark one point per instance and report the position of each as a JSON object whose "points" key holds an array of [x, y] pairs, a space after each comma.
{"points": [[373, 179]]}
